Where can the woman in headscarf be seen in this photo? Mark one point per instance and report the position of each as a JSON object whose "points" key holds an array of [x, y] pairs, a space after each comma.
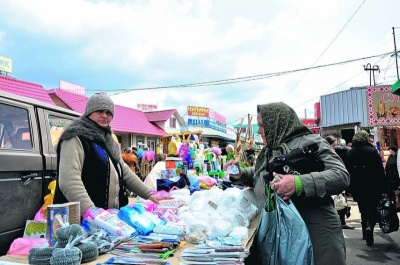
{"points": [[90, 168], [282, 131]]}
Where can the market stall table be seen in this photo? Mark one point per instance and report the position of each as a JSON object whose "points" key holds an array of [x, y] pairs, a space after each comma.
{"points": [[173, 260]]}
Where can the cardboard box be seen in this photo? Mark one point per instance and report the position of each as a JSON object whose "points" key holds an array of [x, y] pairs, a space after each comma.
{"points": [[168, 173], [35, 229]]}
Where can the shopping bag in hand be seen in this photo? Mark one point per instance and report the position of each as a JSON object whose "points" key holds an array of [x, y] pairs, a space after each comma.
{"points": [[387, 215], [340, 201], [283, 236]]}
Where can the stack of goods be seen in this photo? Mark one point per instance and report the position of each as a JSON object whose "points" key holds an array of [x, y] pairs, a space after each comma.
{"points": [[206, 254]]}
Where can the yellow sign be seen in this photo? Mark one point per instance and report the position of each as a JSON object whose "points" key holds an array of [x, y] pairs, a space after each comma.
{"points": [[197, 111], [5, 64]]}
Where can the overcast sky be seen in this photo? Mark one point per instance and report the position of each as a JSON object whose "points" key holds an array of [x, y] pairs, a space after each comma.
{"points": [[117, 46]]}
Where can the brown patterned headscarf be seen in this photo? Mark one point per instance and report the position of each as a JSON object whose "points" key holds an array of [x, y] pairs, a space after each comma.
{"points": [[281, 124]]}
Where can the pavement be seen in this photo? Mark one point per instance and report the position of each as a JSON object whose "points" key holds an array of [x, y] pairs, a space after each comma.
{"points": [[386, 249]]}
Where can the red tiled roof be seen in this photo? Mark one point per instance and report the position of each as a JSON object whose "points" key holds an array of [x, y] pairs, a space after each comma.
{"points": [[125, 119], [163, 115], [24, 88]]}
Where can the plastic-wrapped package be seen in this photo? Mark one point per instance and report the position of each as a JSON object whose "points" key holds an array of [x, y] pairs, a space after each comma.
{"points": [[141, 223], [153, 217], [244, 204], [196, 237], [237, 218], [240, 232], [169, 229], [21, 246], [198, 224], [228, 197], [220, 228], [182, 210], [112, 224], [249, 194]]}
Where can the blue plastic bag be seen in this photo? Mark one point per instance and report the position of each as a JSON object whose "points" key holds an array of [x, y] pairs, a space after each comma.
{"points": [[283, 236], [135, 219]]}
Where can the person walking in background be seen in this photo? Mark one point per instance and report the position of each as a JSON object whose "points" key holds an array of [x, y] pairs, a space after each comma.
{"points": [[282, 131], [137, 167], [367, 181], [392, 173], [341, 150], [131, 160], [90, 168]]}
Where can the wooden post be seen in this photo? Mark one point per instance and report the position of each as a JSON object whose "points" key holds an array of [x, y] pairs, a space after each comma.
{"points": [[237, 144]]}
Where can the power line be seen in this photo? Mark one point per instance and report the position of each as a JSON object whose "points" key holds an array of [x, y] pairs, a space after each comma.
{"points": [[240, 79], [331, 89], [329, 45]]}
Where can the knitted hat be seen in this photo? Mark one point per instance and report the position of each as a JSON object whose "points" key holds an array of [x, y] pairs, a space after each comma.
{"points": [[394, 148], [361, 136], [99, 101]]}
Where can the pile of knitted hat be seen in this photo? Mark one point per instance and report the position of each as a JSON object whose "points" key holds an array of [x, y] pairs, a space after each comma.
{"points": [[68, 250]]}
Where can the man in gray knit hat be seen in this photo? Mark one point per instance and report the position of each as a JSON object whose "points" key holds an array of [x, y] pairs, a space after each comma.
{"points": [[99, 101], [90, 168]]}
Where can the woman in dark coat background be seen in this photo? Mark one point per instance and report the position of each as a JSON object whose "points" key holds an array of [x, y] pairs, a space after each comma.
{"points": [[392, 173], [367, 181]]}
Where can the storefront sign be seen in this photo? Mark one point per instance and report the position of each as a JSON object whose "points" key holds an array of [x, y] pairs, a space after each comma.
{"points": [[383, 106], [230, 130], [197, 111], [317, 112], [73, 88], [216, 116], [5, 64], [146, 107], [310, 123]]}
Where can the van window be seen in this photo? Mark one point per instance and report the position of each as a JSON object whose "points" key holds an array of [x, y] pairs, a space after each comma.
{"points": [[15, 131], [57, 126]]}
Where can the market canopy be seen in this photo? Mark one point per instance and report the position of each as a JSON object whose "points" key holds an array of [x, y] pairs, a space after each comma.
{"points": [[396, 88]]}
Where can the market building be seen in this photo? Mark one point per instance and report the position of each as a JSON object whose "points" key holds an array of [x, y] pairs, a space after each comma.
{"points": [[212, 124], [374, 109], [131, 126]]}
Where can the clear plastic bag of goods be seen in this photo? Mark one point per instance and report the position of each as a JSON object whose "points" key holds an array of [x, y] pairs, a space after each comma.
{"points": [[241, 232], [244, 204], [219, 228], [141, 223], [196, 237], [237, 218]]}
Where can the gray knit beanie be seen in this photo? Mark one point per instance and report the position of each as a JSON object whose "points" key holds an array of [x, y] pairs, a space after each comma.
{"points": [[99, 101]]}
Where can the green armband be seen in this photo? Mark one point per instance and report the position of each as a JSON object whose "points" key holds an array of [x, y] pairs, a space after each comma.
{"points": [[298, 185]]}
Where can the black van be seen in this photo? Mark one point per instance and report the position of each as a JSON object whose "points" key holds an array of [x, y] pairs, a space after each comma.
{"points": [[29, 132]]}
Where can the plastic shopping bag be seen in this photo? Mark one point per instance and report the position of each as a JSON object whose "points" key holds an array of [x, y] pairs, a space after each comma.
{"points": [[340, 201], [283, 236], [387, 215]]}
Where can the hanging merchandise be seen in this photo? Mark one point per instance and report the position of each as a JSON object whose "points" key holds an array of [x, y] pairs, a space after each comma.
{"points": [[173, 147]]}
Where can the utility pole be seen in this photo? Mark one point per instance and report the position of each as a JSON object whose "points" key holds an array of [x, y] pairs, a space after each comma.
{"points": [[395, 53], [371, 70]]}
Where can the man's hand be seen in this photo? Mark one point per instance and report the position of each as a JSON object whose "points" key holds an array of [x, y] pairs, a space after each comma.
{"points": [[283, 185]]}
